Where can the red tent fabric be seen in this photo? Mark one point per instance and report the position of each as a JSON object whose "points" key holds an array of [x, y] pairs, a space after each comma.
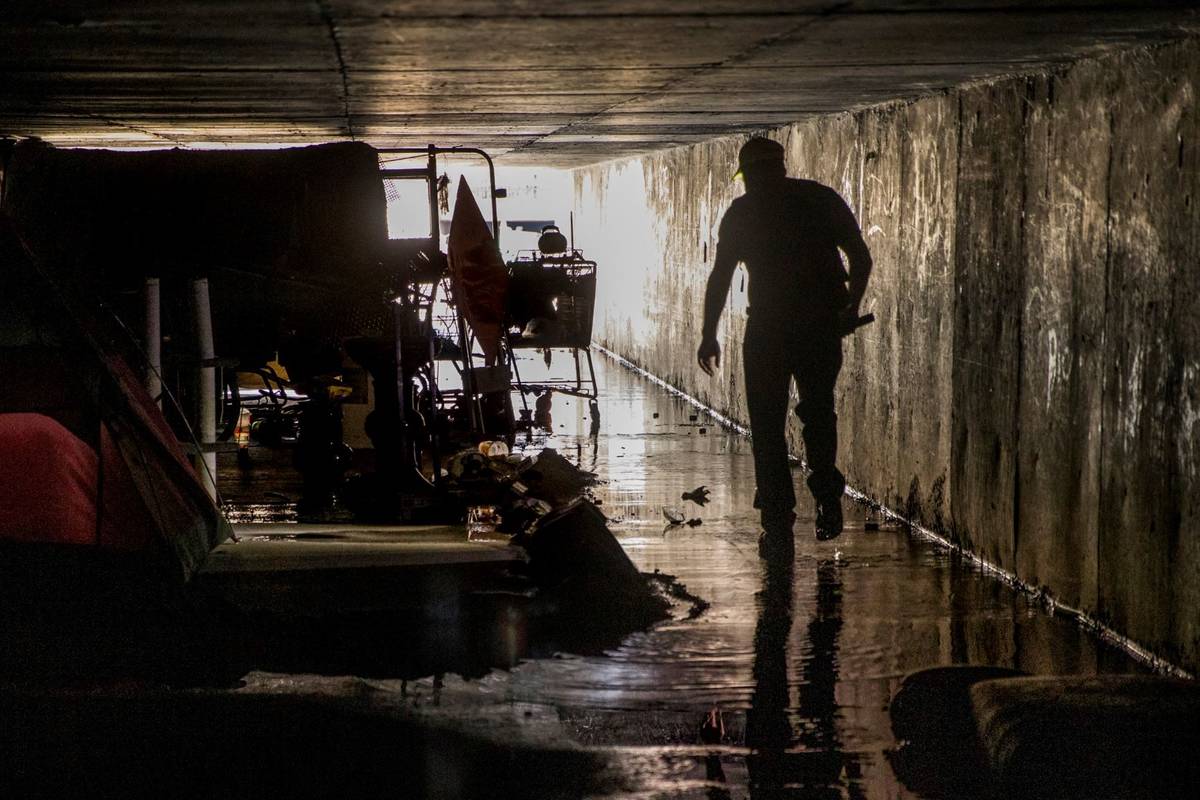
{"points": [[86, 457], [50, 481], [480, 277]]}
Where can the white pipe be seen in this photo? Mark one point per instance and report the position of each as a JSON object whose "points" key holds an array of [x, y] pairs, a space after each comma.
{"points": [[153, 340], [207, 405]]}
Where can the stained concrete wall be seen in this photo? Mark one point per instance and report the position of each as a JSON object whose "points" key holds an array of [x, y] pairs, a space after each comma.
{"points": [[1032, 385]]}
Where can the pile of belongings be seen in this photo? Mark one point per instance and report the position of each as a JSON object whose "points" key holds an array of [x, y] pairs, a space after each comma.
{"points": [[523, 489]]}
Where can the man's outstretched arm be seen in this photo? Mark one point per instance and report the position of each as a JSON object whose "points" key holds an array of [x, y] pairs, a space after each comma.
{"points": [[709, 354], [850, 240], [860, 268]]}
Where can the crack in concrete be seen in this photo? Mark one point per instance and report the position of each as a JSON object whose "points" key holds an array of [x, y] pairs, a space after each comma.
{"points": [[126, 126], [695, 72], [326, 14]]}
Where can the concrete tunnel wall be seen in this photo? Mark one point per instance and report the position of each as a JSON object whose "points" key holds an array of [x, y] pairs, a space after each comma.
{"points": [[1032, 386]]}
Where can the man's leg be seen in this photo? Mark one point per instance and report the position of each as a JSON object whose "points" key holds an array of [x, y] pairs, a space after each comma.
{"points": [[768, 374], [816, 379]]}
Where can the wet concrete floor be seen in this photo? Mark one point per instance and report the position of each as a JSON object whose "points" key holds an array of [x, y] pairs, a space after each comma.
{"points": [[800, 664]]}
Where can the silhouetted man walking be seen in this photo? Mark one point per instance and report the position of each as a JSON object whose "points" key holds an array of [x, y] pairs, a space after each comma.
{"points": [[788, 232]]}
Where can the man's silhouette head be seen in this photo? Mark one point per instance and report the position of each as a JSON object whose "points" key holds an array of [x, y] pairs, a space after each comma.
{"points": [[760, 163]]}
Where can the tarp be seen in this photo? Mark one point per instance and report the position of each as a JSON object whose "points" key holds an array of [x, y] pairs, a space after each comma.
{"points": [[86, 457], [480, 277], [291, 240]]}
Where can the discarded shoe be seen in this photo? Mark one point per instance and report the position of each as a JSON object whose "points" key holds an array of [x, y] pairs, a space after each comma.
{"points": [[829, 519]]}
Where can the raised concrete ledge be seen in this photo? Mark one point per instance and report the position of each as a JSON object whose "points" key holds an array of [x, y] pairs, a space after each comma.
{"points": [[269, 547], [982, 732], [1111, 736], [336, 739]]}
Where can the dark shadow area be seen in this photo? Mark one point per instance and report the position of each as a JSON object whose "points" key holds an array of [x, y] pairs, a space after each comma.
{"points": [[124, 744], [938, 753], [74, 619]]}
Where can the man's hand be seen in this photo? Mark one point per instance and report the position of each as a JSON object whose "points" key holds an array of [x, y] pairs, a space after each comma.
{"points": [[709, 355], [847, 317]]}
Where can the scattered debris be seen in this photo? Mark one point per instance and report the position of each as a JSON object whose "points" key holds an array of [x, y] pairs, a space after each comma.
{"points": [[554, 479], [712, 731], [496, 449], [695, 522], [542, 416], [699, 495], [590, 594], [712, 727], [673, 516], [483, 524], [938, 752], [669, 586]]}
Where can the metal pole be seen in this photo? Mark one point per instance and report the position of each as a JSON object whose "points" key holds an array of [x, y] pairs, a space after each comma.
{"points": [[495, 216], [153, 340], [401, 387], [207, 404], [432, 149], [435, 232]]}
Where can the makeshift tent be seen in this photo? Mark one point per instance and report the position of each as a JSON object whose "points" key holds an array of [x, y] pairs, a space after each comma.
{"points": [[87, 460], [480, 277]]}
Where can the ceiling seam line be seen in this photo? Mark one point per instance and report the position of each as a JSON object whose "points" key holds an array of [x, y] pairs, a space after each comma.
{"points": [[126, 126], [980, 10]]}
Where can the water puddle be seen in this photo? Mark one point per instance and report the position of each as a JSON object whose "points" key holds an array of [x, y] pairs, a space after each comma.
{"points": [[799, 664]]}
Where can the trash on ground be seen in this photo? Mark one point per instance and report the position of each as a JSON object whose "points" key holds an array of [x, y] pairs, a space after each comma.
{"points": [[543, 410], [712, 727]]}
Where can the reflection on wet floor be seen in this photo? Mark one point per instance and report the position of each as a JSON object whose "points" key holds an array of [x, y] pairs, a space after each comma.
{"points": [[800, 663]]}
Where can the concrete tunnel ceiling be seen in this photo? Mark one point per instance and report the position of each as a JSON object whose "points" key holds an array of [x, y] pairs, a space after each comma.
{"points": [[550, 83]]}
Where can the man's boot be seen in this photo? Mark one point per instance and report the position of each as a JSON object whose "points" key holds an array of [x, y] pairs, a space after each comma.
{"points": [[777, 543], [829, 518]]}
